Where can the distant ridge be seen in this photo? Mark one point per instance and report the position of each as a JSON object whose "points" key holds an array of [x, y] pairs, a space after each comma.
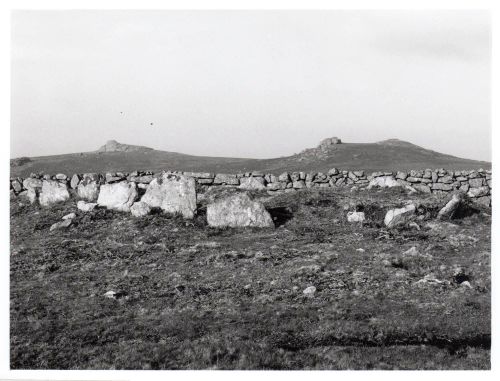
{"points": [[390, 155]]}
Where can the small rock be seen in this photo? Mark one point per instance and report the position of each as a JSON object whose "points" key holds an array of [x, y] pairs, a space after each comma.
{"points": [[61, 225], [86, 206], [360, 250], [355, 216], [140, 209], [414, 225], [465, 284], [69, 216], [309, 291], [110, 294]]}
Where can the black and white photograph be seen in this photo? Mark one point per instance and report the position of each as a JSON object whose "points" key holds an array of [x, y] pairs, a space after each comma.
{"points": [[249, 189]]}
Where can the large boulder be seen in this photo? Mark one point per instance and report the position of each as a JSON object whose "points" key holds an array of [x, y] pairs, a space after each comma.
{"points": [[173, 194], [384, 182], [53, 192], [395, 217], [238, 210], [251, 183], [117, 196]]}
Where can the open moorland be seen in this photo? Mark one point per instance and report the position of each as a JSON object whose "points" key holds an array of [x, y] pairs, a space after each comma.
{"points": [[317, 292], [387, 155]]}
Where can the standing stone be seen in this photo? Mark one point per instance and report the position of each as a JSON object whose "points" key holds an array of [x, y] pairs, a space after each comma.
{"points": [[117, 196], [172, 193], [75, 179], [88, 190], [450, 208], [17, 186], [395, 217], [53, 192], [154, 194], [238, 210], [179, 195], [250, 183]]}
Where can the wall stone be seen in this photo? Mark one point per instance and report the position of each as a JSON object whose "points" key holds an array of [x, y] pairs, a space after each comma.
{"points": [[476, 183]]}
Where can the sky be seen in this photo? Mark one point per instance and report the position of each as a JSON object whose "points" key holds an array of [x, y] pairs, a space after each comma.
{"points": [[257, 84]]}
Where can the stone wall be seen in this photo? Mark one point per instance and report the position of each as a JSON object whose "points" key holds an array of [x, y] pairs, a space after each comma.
{"points": [[475, 183]]}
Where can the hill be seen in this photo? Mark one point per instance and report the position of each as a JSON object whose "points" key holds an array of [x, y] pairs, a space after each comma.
{"points": [[392, 154]]}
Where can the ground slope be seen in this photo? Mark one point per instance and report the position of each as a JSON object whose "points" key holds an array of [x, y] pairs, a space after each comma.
{"points": [[194, 297], [387, 155]]}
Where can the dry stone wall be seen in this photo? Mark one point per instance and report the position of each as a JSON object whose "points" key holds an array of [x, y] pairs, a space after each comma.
{"points": [[475, 183]]}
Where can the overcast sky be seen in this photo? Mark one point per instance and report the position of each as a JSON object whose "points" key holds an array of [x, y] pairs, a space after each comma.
{"points": [[249, 83]]}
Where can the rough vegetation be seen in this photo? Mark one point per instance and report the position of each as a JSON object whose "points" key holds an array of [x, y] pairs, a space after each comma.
{"points": [[112, 291]]}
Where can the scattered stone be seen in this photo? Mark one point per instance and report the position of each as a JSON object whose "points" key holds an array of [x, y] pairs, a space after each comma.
{"points": [[355, 217], [110, 294], [140, 209], [395, 217], [86, 206], [61, 225], [69, 216], [309, 291], [238, 210], [308, 270], [414, 225]]}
